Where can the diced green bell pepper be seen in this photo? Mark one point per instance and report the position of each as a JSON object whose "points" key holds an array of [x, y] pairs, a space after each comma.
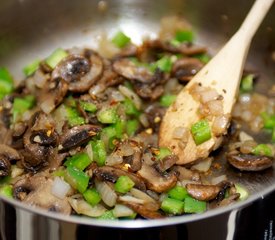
{"points": [[21, 105], [31, 68], [6, 82], [242, 191], [201, 131], [163, 152], [107, 115], [73, 117], [130, 108], [262, 149], [167, 99], [182, 36], [99, 152], [124, 184], [77, 179], [79, 161], [88, 107], [108, 215], [56, 57], [6, 191], [92, 196], [164, 64], [247, 83], [178, 192], [120, 39], [269, 120], [172, 206], [131, 127], [192, 205]]}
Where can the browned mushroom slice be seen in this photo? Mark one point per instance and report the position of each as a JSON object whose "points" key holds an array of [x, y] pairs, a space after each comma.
{"points": [[183, 173], [144, 212], [111, 174], [203, 192], [185, 48], [156, 181], [154, 114], [166, 163], [184, 69], [128, 69], [231, 199], [249, 162], [7, 154], [77, 136], [37, 191], [80, 72]]}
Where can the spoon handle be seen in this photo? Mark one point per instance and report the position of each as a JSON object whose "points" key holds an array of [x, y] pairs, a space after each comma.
{"points": [[254, 18]]}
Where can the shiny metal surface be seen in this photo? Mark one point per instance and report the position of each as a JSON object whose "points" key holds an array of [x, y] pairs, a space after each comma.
{"points": [[31, 29]]}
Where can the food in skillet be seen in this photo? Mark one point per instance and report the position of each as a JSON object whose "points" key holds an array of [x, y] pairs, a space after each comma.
{"points": [[79, 135]]}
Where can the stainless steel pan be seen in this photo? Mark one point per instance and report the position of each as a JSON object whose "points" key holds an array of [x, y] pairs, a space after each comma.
{"points": [[31, 29]]}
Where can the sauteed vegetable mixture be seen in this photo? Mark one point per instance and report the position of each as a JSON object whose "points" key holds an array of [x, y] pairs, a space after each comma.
{"points": [[79, 135]]}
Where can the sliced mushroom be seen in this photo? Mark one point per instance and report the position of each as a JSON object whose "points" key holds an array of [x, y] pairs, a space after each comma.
{"points": [[7, 154], [77, 136], [44, 137], [37, 191], [249, 162], [203, 192], [156, 181], [142, 210], [154, 114], [185, 48], [111, 174], [185, 68], [166, 163], [183, 173], [231, 199], [80, 72]]}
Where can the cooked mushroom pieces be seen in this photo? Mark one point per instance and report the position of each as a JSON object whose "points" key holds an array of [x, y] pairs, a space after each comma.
{"points": [[249, 162], [44, 137], [166, 163], [5, 166], [79, 71], [203, 192], [77, 136], [156, 181], [185, 68], [111, 174], [7, 154]]}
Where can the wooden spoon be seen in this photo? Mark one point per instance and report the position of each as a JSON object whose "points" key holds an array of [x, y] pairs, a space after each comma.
{"points": [[222, 74]]}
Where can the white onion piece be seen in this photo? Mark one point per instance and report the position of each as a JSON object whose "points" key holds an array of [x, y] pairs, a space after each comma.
{"points": [[107, 194], [215, 107], [96, 89], [126, 150], [60, 188], [208, 95], [82, 207], [40, 78], [48, 105], [117, 96], [16, 171], [243, 136], [89, 151], [128, 198], [141, 195], [122, 211], [131, 95], [220, 124], [113, 159], [181, 133], [218, 179], [203, 166], [144, 120], [245, 98]]}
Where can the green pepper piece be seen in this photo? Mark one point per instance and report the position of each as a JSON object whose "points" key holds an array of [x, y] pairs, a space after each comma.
{"points": [[120, 126], [107, 115], [201, 131], [164, 64], [167, 99], [92, 196], [182, 36], [56, 57], [192, 205], [124, 184], [172, 206], [6, 191], [88, 107], [120, 39], [163, 152], [178, 193], [203, 57], [31, 68], [262, 149], [108, 134], [79, 161], [130, 108], [242, 191], [21, 105], [73, 117], [99, 152], [247, 83], [108, 215], [131, 127], [6, 82], [76, 178], [269, 120]]}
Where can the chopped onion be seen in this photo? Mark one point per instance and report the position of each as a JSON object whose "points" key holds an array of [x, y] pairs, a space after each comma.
{"points": [[218, 179], [82, 207], [125, 150], [107, 194], [243, 136], [60, 188], [89, 151], [215, 107], [117, 96], [16, 171], [113, 159], [181, 133], [208, 95], [96, 89], [204, 165], [245, 98], [47, 105], [122, 211], [141, 195], [144, 120], [220, 124], [131, 95], [128, 198], [40, 78]]}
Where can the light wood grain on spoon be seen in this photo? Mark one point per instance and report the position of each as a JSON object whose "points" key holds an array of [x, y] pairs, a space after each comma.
{"points": [[222, 73]]}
